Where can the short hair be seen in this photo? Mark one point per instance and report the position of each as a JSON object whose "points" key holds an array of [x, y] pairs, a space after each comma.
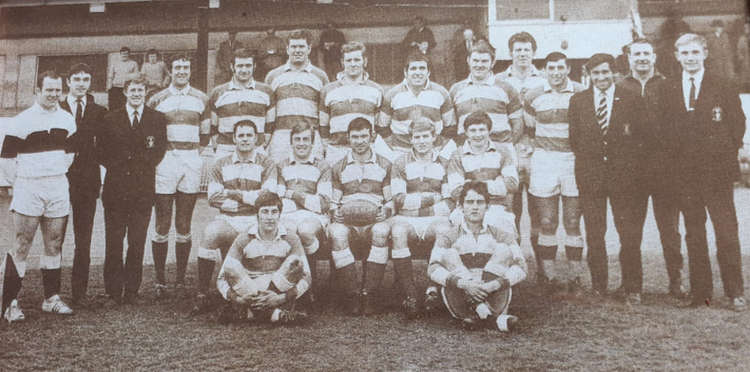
{"points": [[47, 74], [152, 51], [243, 53], [301, 127], [477, 117], [478, 186], [639, 40], [717, 23], [124, 49], [421, 124], [79, 67], [181, 57], [554, 57], [521, 37], [482, 46], [244, 123], [140, 80], [298, 35], [416, 56], [690, 38], [359, 124], [353, 46], [268, 199], [599, 58]]}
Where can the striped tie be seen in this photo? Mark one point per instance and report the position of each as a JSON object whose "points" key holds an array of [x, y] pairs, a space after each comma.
{"points": [[601, 112]]}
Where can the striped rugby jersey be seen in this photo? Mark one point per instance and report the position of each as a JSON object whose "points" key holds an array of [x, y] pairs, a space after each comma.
{"points": [[492, 251], [188, 116], [38, 140], [231, 102], [297, 94], [342, 101], [547, 110], [534, 79], [493, 96], [401, 106], [309, 179], [229, 173], [496, 167], [420, 188], [369, 181]]}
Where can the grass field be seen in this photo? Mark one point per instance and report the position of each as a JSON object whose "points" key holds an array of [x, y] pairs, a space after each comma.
{"points": [[554, 334]]}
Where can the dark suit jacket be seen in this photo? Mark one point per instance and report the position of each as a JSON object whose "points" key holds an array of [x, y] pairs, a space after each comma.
{"points": [[702, 145], [131, 155], [84, 175], [617, 166]]}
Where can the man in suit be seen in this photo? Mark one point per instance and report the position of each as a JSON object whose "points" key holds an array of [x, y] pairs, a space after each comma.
{"points": [[84, 175], [607, 139], [704, 124], [131, 143]]}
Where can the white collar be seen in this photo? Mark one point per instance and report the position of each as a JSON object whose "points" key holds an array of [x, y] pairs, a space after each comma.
{"points": [[72, 101], [130, 110], [233, 84], [568, 86], [350, 157], [280, 232], [180, 92], [698, 77], [253, 156]]}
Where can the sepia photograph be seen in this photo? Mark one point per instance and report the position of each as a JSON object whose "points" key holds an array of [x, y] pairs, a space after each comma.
{"points": [[374, 185]]}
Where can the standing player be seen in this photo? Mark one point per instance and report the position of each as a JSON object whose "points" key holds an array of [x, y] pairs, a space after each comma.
{"points": [[552, 170], [122, 70], [481, 91], [241, 98], [38, 138], [419, 184], [235, 183], [351, 96], [84, 174], [305, 184], [178, 174], [361, 178], [417, 97], [476, 264], [296, 87]]}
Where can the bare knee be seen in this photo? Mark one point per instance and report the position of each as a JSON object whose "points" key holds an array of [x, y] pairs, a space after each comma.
{"points": [[308, 230], [339, 234], [380, 233]]}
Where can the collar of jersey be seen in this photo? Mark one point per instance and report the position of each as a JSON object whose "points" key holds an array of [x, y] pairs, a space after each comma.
{"points": [[306, 68], [253, 157], [533, 71], [280, 232], [466, 149], [310, 159], [433, 156], [465, 228], [350, 157], [180, 92], [340, 77], [234, 85], [568, 87]]}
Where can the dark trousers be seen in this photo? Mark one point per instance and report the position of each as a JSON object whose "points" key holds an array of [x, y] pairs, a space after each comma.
{"points": [[115, 99], [629, 212], [84, 208], [667, 216], [123, 217], [719, 202]]}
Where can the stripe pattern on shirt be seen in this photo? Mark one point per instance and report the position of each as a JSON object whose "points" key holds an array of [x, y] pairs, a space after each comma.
{"points": [[297, 94], [187, 115], [495, 97], [232, 103], [547, 110], [401, 106]]}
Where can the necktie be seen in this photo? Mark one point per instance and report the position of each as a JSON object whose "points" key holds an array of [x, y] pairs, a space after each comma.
{"points": [[79, 110], [601, 112], [135, 122], [691, 99]]}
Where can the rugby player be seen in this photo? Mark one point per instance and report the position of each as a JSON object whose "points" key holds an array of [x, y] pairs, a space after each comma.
{"points": [[552, 173], [417, 97], [419, 184], [178, 176], [296, 87], [38, 138], [241, 98], [362, 176], [304, 183], [265, 271], [351, 96], [476, 264], [235, 183]]}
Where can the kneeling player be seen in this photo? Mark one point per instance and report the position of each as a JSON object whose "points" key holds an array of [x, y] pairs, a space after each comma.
{"points": [[362, 195], [265, 270], [305, 184], [420, 194], [476, 264], [236, 181]]}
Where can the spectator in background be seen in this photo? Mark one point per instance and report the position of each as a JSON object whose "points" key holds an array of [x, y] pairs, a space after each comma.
{"points": [[121, 71], [271, 54], [419, 37], [331, 40], [720, 57], [670, 30], [225, 57], [743, 56], [463, 40], [155, 71]]}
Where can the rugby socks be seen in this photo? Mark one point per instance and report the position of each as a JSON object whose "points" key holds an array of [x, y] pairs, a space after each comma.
{"points": [[205, 271], [13, 273], [375, 268], [403, 269], [574, 255], [182, 254], [547, 246], [159, 252], [50, 266]]}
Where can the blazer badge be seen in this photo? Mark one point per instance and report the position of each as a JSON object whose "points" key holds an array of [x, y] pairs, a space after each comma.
{"points": [[716, 114], [150, 141]]}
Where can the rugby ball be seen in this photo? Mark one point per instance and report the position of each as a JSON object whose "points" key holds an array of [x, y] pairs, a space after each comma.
{"points": [[359, 212]]}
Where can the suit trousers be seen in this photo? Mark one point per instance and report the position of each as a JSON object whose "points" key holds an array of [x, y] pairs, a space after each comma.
{"points": [[719, 202], [84, 208], [121, 218], [667, 216], [629, 212]]}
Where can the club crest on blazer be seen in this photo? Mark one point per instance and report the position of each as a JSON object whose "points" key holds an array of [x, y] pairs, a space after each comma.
{"points": [[716, 114]]}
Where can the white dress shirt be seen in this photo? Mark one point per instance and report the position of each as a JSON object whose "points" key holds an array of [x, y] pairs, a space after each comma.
{"points": [[698, 79], [74, 104], [610, 92], [130, 111]]}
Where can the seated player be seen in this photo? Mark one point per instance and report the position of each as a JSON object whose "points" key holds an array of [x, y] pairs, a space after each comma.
{"points": [[236, 181], [476, 264], [361, 207], [265, 271], [480, 159], [304, 182], [420, 193]]}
